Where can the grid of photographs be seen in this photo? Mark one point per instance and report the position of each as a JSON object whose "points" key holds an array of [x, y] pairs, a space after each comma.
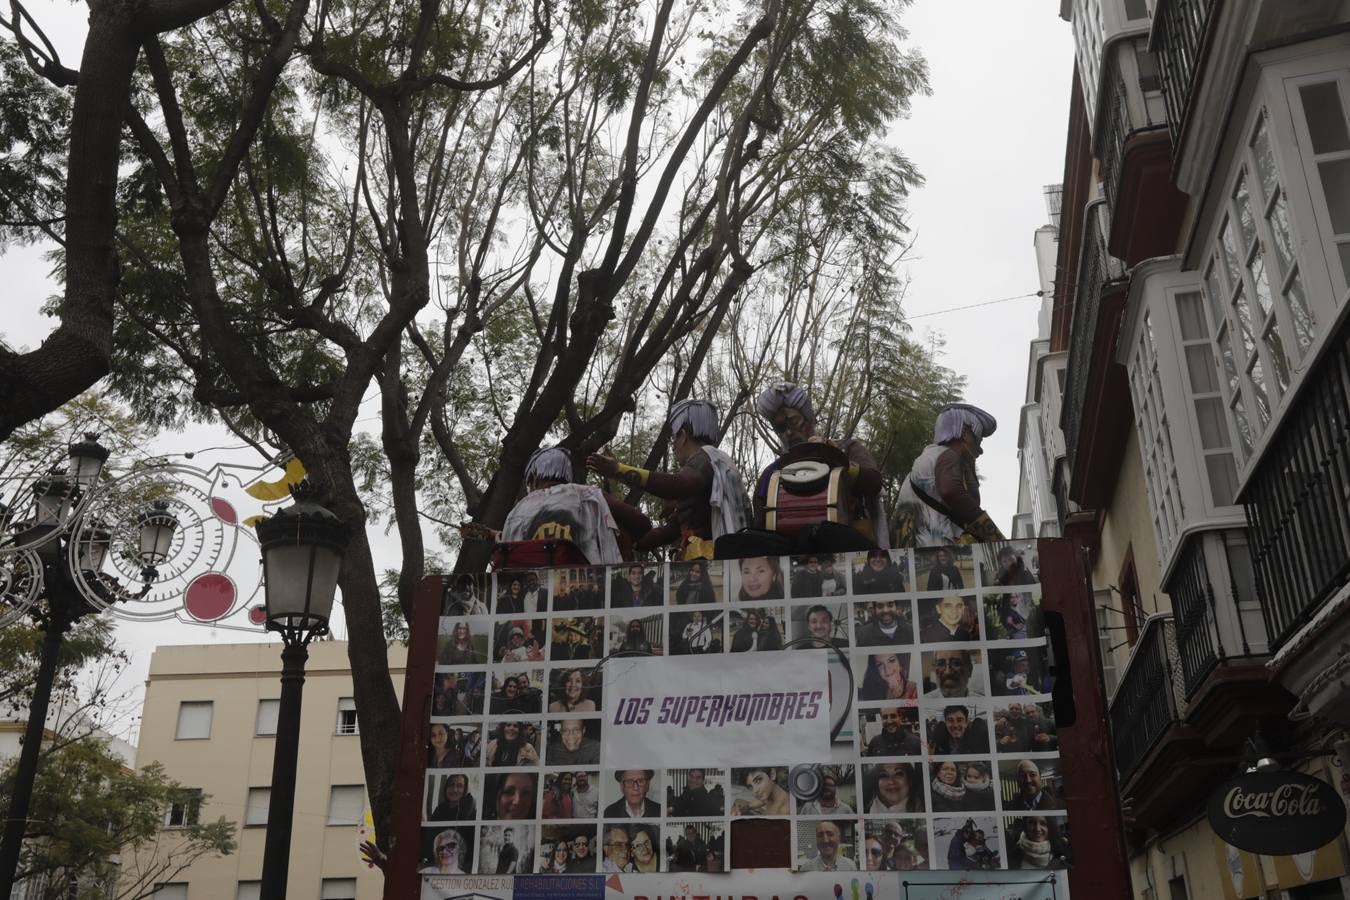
{"points": [[949, 759]]}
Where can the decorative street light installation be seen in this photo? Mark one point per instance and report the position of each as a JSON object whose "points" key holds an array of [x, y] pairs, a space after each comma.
{"points": [[302, 550], [155, 542]]}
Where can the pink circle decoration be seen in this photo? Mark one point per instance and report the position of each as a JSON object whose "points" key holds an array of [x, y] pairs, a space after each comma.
{"points": [[257, 615], [224, 511], [209, 597]]}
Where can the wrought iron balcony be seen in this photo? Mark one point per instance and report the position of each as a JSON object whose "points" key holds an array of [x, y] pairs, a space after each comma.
{"points": [[1178, 38], [1210, 626], [1126, 115], [1298, 499], [1096, 269], [1150, 697]]}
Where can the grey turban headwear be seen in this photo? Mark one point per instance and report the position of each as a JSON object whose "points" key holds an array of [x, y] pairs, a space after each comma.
{"points": [[549, 464], [954, 417], [784, 394], [700, 417]]}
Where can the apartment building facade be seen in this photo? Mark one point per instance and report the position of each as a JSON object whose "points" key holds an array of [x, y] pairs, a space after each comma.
{"points": [[210, 718], [1199, 302]]}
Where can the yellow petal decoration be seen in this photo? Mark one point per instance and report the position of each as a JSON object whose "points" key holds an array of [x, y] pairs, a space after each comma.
{"points": [[281, 489]]}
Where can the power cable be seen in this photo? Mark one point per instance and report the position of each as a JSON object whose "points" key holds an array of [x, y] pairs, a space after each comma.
{"points": [[940, 312]]}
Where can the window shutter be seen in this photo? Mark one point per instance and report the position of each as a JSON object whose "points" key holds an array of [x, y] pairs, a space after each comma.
{"points": [[346, 802], [194, 720], [338, 889], [259, 800], [267, 716]]}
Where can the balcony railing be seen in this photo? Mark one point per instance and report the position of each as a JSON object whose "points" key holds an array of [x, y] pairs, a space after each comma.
{"points": [[1123, 120], [1149, 698], [1177, 39], [1209, 621], [1298, 499], [1096, 269]]}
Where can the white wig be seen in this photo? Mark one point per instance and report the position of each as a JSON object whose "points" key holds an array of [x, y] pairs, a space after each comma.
{"points": [[954, 417], [700, 417], [784, 394], [549, 464]]}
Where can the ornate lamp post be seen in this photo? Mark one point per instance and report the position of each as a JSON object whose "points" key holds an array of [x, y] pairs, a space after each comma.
{"points": [[302, 549], [67, 551]]}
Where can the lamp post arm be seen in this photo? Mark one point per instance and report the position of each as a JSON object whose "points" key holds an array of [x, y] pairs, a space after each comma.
{"points": [[16, 821], [281, 806]]}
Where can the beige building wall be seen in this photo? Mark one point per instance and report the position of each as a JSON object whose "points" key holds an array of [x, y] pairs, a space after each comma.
{"points": [[234, 678]]}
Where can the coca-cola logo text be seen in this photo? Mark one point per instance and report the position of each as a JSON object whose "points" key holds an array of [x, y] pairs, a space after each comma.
{"points": [[1285, 800]]}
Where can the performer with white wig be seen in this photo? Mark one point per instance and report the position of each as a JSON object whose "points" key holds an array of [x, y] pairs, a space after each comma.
{"points": [[557, 509], [788, 411], [939, 503], [708, 491]]}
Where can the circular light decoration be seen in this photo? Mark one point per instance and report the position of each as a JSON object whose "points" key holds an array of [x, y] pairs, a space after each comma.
{"points": [[257, 615], [20, 584], [174, 546]]}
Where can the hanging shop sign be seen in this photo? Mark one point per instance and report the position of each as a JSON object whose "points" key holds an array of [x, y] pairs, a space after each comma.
{"points": [[1276, 813]]}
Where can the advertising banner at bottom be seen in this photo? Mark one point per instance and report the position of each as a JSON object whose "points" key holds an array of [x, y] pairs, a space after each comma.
{"points": [[753, 885]]}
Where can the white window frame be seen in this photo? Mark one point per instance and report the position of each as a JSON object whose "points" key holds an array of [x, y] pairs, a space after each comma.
{"points": [[255, 813], [260, 721], [194, 706], [189, 802], [1311, 175], [340, 795], [347, 705], [248, 890], [336, 889]]}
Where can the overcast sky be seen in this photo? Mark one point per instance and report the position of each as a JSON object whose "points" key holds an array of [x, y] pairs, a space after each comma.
{"points": [[987, 140]]}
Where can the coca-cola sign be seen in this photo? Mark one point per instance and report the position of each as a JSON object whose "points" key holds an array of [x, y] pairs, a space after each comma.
{"points": [[1276, 813]]}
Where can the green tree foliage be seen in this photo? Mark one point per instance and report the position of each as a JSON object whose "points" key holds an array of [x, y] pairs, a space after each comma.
{"points": [[96, 828]]}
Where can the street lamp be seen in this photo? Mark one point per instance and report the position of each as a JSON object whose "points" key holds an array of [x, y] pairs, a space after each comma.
{"points": [[302, 549]]}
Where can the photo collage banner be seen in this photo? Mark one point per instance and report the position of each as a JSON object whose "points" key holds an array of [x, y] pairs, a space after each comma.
{"points": [[947, 759]]}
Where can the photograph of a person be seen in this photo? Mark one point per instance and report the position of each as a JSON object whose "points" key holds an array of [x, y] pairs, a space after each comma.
{"points": [[889, 731], [953, 672], [461, 643], [817, 575], [896, 845], [696, 631], [631, 847], [966, 843], [881, 572], [695, 847], [512, 743], [634, 584], [574, 742], [452, 796], [447, 851], [521, 591], [617, 844], [759, 791], [458, 693], [631, 791], [695, 793], [944, 568], [883, 623], [1008, 563], [696, 581], [949, 619], [577, 637], [1013, 617], [1019, 672], [506, 850], [826, 622], [465, 595], [1025, 727], [454, 746], [645, 840], [519, 640], [1031, 784], [885, 676], [517, 691], [961, 785], [756, 629], [571, 795], [573, 690], [510, 795], [635, 632], [577, 588], [957, 728], [1037, 842], [567, 849], [759, 578], [838, 794], [827, 845], [892, 788]]}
